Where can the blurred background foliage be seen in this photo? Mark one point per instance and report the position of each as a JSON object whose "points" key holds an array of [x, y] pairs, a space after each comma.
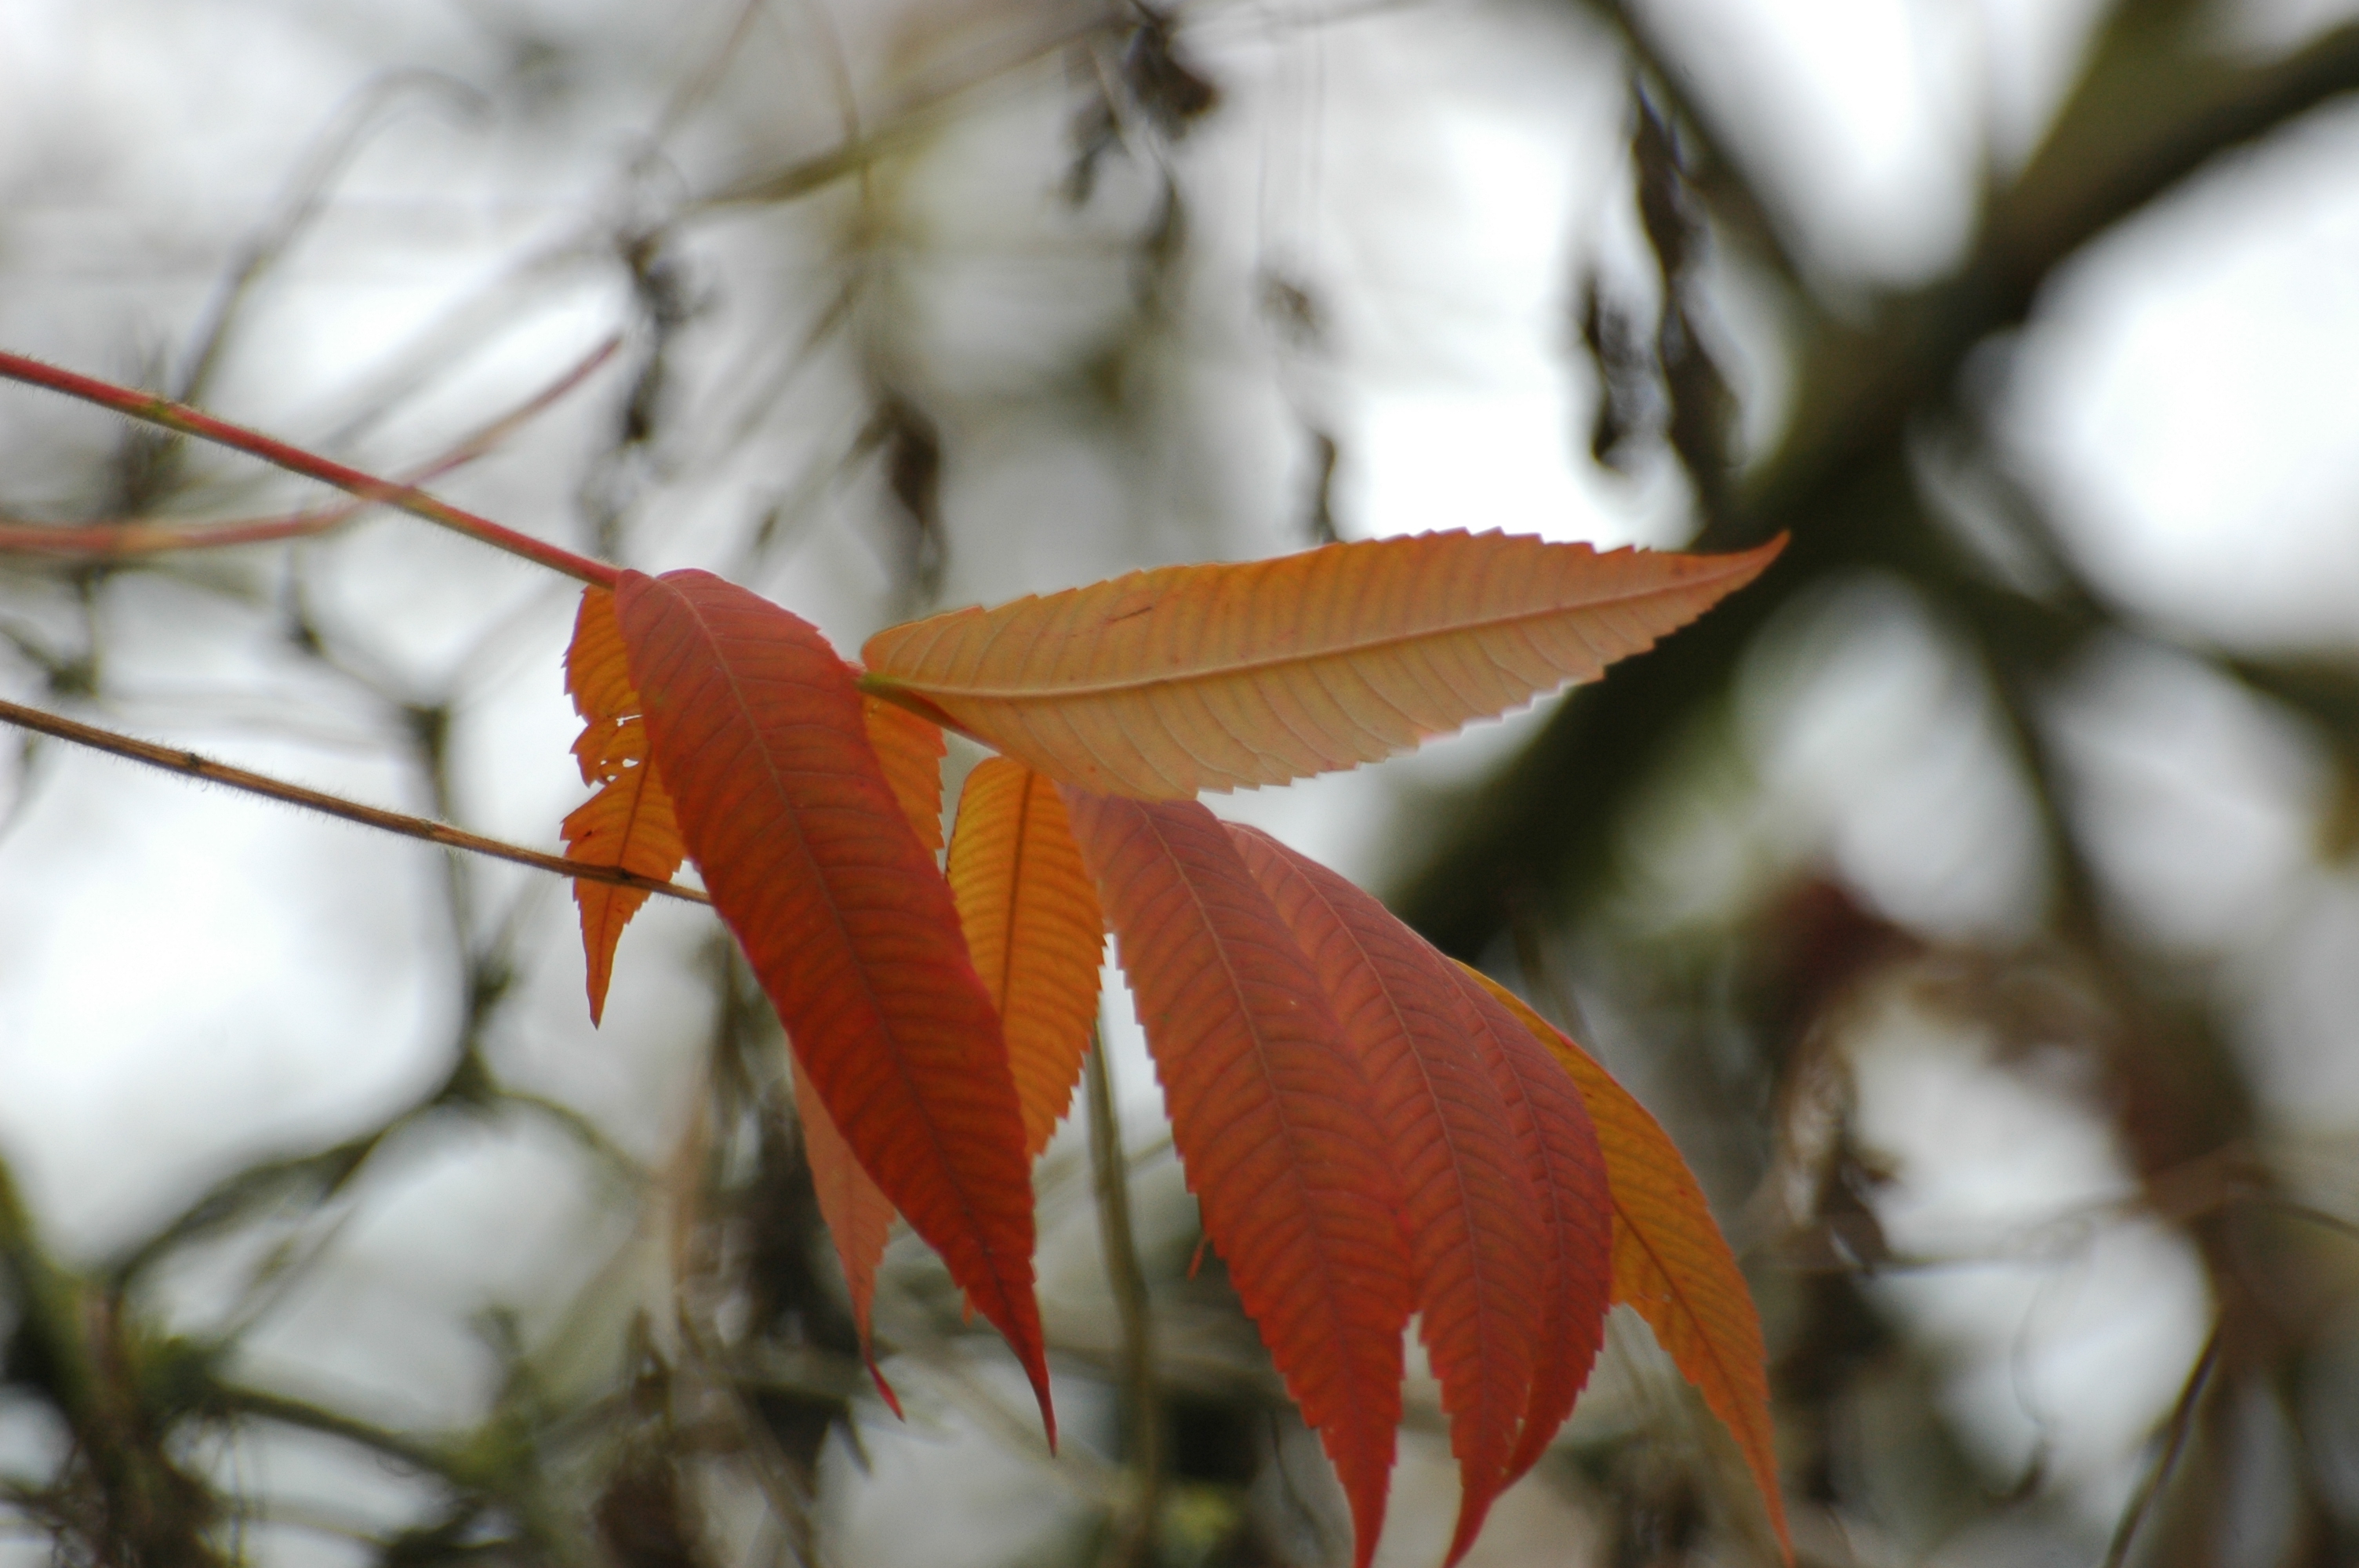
{"points": [[1973, 897]]}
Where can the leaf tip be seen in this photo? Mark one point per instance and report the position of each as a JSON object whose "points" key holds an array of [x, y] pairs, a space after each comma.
{"points": [[1474, 1507], [1047, 1407], [876, 1375], [1747, 565]]}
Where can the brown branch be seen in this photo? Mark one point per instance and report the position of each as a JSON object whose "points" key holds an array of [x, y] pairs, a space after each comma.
{"points": [[131, 536], [188, 764], [148, 408]]}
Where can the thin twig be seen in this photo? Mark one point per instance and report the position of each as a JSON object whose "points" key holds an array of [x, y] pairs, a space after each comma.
{"points": [[1135, 1540], [122, 539], [151, 409], [699, 83], [594, 1140], [2182, 1421], [418, 1453], [115, 539], [305, 198], [916, 121], [190, 765], [312, 1179], [1842, 478], [2295, 1209]]}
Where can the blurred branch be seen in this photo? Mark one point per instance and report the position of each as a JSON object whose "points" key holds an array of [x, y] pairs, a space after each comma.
{"points": [[1674, 369], [2224, 1179], [427, 1458], [1135, 1537], [1841, 481], [190, 765], [2325, 694], [300, 205], [314, 1178], [2178, 1095], [122, 539], [133, 536], [2181, 1423], [311, 1178], [594, 1139], [1718, 175], [119, 1387], [46, 1300], [914, 123], [150, 409]]}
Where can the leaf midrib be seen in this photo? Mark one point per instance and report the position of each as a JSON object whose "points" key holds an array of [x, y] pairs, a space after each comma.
{"points": [[1343, 650], [1336, 1292], [802, 848]]}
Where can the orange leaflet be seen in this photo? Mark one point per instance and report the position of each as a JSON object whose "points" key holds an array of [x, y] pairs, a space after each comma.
{"points": [[1033, 928], [1670, 1261], [859, 1215], [628, 822], [813, 863], [1273, 1121], [911, 751], [1474, 1220], [1159, 684]]}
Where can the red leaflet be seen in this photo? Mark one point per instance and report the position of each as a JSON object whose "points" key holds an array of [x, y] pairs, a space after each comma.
{"points": [[1670, 1261], [1273, 1121], [1033, 928], [1562, 1146], [628, 823], [910, 749], [811, 862], [859, 1215], [1474, 1215]]}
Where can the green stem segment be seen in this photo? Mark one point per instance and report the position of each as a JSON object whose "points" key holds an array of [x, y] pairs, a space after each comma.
{"points": [[150, 409], [1135, 1540]]}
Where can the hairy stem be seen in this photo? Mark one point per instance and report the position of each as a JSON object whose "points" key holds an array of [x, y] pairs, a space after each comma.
{"points": [[190, 765], [162, 411]]}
